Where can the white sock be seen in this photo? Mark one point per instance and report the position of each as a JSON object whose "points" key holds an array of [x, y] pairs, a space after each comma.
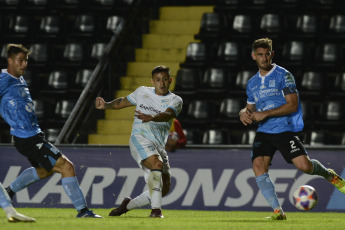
{"points": [[140, 201], [154, 183]]}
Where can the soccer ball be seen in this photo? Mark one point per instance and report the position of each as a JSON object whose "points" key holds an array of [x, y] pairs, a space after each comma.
{"points": [[305, 198]]}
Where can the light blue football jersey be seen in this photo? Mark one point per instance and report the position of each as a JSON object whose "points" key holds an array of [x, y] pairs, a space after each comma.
{"points": [[16, 106], [267, 92]]}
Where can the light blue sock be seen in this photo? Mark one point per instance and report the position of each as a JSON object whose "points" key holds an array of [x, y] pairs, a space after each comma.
{"points": [[5, 200], [27, 177], [72, 189], [267, 189], [319, 169]]}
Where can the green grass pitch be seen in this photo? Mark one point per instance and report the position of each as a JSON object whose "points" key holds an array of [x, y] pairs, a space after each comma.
{"points": [[64, 219]]}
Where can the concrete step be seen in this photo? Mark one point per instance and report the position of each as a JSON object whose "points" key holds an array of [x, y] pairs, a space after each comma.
{"points": [[120, 114], [183, 12], [174, 27], [110, 139], [145, 68], [114, 126], [167, 41], [156, 55]]}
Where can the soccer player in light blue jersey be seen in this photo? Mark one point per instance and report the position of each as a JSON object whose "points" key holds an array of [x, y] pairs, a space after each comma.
{"points": [[17, 109], [156, 108], [273, 102]]}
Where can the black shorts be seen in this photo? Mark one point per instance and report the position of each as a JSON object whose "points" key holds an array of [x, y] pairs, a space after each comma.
{"points": [[288, 143], [39, 152]]}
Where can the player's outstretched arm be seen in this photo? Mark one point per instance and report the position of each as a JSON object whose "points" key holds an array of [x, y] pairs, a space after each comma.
{"points": [[165, 116], [117, 103]]}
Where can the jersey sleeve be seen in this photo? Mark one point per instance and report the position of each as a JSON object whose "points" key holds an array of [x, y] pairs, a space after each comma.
{"points": [[176, 105], [134, 95], [250, 97], [289, 84]]}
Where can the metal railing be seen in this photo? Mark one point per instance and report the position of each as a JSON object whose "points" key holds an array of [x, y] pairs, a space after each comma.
{"points": [[110, 61]]}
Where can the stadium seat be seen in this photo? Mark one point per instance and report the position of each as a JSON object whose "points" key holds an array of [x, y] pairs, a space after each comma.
{"points": [[332, 111], [242, 24], [38, 2], [113, 23], [215, 137], [196, 52], [83, 77], [58, 80], [337, 24], [193, 136], [199, 109], [230, 52], [242, 78], [64, 108], [229, 108], [98, 50], [312, 81], [271, 23], [50, 24], [340, 82], [51, 134], [74, 52], [248, 137], [39, 108], [328, 54], [295, 52], [317, 138], [215, 81], [39, 52], [19, 24], [85, 23], [307, 109], [212, 24], [187, 82]]}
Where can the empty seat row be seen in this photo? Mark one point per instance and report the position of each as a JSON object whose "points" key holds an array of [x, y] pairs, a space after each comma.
{"points": [[294, 25], [197, 82], [73, 52], [221, 136], [50, 110], [227, 109], [81, 25]]}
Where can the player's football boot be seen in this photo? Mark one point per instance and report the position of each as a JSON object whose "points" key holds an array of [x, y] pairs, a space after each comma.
{"points": [[277, 215], [121, 209], [156, 213], [17, 217], [337, 181], [88, 214]]}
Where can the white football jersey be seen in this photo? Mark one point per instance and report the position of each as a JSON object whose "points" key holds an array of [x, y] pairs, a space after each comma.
{"points": [[148, 102]]}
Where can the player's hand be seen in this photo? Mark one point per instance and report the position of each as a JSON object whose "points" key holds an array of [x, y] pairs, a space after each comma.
{"points": [[258, 116], [143, 117], [246, 118], [99, 103]]}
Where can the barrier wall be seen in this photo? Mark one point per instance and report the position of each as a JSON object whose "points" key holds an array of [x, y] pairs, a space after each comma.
{"points": [[202, 179]]}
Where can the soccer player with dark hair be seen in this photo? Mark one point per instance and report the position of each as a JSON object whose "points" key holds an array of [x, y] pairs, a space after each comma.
{"points": [[273, 102], [17, 109], [156, 108]]}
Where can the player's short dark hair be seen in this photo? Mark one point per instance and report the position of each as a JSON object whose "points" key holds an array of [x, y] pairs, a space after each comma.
{"points": [[265, 43], [161, 68], [14, 49]]}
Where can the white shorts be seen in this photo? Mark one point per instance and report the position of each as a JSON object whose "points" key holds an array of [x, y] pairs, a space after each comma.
{"points": [[141, 148]]}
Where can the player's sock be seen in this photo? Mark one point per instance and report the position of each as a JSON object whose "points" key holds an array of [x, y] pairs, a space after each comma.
{"points": [[140, 201], [267, 189], [154, 182], [319, 169], [5, 200], [72, 189], [27, 177]]}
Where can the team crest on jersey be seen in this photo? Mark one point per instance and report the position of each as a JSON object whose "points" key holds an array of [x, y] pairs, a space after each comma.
{"points": [[272, 83], [146, 96]]}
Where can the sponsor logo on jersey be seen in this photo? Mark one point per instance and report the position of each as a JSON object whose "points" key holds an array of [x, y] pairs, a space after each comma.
{"points": [[149, 108]]}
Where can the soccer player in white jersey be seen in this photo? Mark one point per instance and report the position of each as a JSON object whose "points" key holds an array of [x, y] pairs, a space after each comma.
{"points": [[156, 108], [274, 103]]}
